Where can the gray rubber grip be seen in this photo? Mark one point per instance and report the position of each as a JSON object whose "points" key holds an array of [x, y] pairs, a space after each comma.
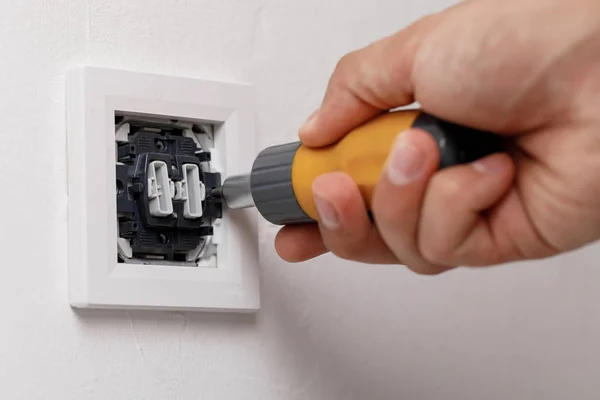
{"points": [[271, 183]]}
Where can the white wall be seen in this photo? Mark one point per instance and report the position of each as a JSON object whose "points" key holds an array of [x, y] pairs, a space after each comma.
{"points": [[328, 329]]}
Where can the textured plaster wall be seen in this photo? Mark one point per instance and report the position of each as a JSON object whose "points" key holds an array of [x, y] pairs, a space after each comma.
{"points": [[328, 329]]}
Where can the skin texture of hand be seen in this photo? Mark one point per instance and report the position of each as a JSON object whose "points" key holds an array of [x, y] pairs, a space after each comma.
{"points": [[526, 69]]}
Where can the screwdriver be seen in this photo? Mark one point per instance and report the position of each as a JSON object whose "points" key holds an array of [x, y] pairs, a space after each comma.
{"points": [[279, 184]]}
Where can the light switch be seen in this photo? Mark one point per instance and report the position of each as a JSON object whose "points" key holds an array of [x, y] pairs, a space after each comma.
{"points": [[143, 152]]}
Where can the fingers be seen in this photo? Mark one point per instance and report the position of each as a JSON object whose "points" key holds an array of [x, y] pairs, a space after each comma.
{"points": [[296, 244], [435, 221], [454, 227], [365, 83], [429, 220], [345, 226], [399, 194]]}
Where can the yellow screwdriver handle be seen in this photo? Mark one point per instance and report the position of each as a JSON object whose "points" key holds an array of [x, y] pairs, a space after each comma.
{"points": [[363, 152]]}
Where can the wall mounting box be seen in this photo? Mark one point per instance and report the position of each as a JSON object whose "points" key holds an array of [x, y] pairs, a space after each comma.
{"points": [[106, 108]]}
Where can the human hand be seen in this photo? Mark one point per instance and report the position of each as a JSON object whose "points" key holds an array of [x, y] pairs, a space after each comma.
{"points": [[525, 69]]}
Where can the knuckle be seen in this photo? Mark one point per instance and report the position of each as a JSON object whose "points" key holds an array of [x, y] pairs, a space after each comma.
{"points": [[435, 251], [347, 62]]}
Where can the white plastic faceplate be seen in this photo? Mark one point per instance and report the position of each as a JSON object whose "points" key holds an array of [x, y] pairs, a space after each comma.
{"points": [[96, 279]]}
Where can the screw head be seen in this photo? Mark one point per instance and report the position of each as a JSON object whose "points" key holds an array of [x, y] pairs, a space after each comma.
{"points": [[137, 188]]}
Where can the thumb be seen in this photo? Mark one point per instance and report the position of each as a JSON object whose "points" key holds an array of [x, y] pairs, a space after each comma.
{"points": [[366, 83]]}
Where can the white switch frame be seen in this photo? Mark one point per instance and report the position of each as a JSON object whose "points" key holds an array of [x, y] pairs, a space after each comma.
{"points": [[96, 279]]}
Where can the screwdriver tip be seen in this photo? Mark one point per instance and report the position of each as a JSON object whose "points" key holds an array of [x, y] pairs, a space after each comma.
{"points": [[216, 193]]}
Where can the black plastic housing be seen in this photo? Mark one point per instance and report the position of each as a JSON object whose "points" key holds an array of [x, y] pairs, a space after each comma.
{"points": [[168, 238]]}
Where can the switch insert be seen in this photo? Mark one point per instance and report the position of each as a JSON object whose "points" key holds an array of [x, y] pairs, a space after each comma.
{"points": [[163, 174]]}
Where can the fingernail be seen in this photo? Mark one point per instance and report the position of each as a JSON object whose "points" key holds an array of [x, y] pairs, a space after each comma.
{"points": [[490, 165], [406, 162], [328, 216], [309, 121]]}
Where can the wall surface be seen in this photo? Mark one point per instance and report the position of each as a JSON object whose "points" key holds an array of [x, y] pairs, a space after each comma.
{"points": [[327, 329]]}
